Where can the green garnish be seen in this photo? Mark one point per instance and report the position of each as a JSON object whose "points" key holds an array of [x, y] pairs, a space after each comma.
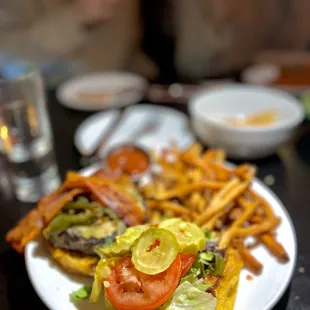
{"points": [[208, 263], [219, 264], [78, 212], [81, 294], [305, 100], [98, 249], [210, 235], [187, 296], [198, 283]]}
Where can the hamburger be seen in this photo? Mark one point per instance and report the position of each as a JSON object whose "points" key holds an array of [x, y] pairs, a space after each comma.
{"points": [[85, 213]]}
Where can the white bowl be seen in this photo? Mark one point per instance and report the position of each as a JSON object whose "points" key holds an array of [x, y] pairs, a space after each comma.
{"points": [[209, 109]]}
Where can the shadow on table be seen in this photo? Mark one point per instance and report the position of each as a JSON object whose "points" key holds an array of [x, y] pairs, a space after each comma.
{"points": [[302, 148], [19, 292], [283, 302], [17, 287]]}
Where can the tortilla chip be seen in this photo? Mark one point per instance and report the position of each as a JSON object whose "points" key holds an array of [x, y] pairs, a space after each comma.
{"points": [[226, 290]]}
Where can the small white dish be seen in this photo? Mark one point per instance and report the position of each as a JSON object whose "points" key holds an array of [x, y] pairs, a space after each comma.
{"points": [[173, 126], [53, 285], [109, 84], [209, 110]]}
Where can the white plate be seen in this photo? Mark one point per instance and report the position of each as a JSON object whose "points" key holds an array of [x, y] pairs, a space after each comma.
{"points": [[54, 286], [102, 83], [172, 126]]}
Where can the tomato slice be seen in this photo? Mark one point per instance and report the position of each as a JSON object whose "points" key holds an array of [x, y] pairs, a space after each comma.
{"points": [[187, 261], [130, 289]]}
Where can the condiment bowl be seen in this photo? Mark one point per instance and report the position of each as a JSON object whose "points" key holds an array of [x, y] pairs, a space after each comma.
{"points": [[210, 110], [129, 156]]}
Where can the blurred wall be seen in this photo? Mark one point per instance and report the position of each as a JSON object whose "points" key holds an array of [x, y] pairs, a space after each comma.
{"points": [[52, 29], [212, 36]]}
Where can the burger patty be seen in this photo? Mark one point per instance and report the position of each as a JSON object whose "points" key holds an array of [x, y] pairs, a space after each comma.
{"points": [[69, 241]]}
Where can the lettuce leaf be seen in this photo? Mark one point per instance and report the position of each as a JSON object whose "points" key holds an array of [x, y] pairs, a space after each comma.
{"points": [[81, 294], [189, 297], [197, 283], [219, 265], [102, 271], [210, 235], [208, 263], [102, 246]]}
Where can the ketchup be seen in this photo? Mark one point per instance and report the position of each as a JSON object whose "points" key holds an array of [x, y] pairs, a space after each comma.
{"points": [[128, 159]]}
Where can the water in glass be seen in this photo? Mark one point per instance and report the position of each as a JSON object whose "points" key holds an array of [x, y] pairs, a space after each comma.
{"points": [[25, 133]]}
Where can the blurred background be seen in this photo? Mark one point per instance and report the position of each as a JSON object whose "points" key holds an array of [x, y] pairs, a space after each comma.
{"points": [[159, 39], [172, 48]]}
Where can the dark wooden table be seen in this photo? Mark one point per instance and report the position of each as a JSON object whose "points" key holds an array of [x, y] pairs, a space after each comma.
{"points": [[291, 169]]}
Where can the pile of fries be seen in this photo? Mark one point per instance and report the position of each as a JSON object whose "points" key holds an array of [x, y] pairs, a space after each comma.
{"points": [[199, 187]]}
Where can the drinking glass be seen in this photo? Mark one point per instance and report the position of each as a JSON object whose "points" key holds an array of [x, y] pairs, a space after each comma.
{"points": [[25, 132]]}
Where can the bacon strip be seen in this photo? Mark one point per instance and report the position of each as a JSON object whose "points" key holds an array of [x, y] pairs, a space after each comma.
{"points": [[108, 194], [52, 204], [122, 204], [27, 229]]}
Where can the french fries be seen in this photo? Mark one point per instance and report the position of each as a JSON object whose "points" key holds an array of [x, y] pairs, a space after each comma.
{"points": [[249, 208], [169, 206], [250, 261], [222, 198], [274, 247], [198, 186]]}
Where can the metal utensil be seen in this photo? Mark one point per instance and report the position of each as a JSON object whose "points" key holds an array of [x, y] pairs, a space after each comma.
{"points": [[149, 126], [89, 158]]}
